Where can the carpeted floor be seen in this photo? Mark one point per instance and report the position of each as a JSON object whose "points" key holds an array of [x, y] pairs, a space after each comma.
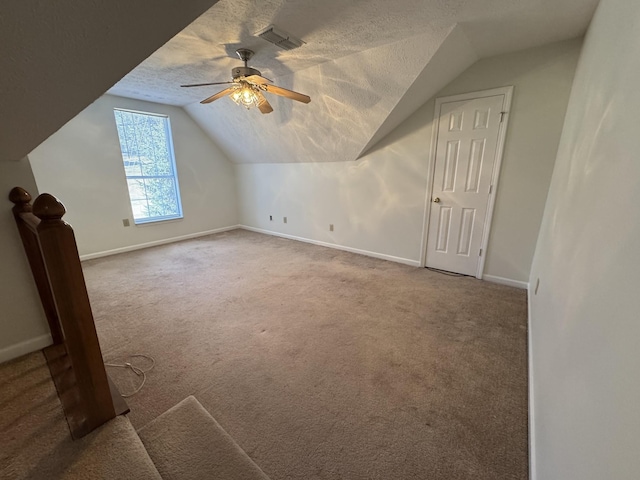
{"points": [[323, 364]]}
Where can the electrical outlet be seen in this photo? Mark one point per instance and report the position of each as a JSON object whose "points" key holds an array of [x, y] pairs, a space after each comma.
{"points": [[331, 227], [271, 218], [284, 219], [125, 222], [535, 292]]}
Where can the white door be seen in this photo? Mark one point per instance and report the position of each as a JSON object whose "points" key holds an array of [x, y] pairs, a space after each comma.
{"points": [[465, 157]]}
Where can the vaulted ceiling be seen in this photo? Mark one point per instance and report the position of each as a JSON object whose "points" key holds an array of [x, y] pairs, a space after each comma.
{"points": [[367, 64]]}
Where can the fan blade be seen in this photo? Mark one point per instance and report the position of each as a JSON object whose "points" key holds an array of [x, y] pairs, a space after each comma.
{"points": [[283, 92], [205, 84], [218, 95], [264, 106], [258, 79]]}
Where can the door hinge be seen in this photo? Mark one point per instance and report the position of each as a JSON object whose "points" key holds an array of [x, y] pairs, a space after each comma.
{"points": [[490, 189], [480, 254], [502, 116]]}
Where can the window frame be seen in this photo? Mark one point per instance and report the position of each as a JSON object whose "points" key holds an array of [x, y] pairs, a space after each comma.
{"points": [[173, 177]]}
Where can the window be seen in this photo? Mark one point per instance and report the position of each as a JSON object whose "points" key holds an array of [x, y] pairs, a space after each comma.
{"points": [[149, 165]]}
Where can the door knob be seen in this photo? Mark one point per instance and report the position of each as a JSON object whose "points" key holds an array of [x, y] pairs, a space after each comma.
{"points": [[436, 200]]}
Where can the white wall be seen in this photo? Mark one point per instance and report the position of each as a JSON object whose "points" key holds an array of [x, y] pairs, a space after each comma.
{"points": [[81, 164], [23, 325], [377, 203], [585, 316]]}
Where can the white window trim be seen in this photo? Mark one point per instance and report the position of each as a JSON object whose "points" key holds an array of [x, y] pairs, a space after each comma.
{"points": [[169, 136]]}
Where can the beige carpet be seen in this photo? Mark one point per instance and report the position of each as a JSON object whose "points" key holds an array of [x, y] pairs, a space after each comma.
{"points": [[323, 364], [186, 443], [34, 438]]}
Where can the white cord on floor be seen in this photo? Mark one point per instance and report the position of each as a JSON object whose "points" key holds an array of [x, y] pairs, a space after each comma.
{"points": [[137, 370]]}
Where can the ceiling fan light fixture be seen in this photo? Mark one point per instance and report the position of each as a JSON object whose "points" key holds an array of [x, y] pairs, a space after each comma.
{"points": [[246, 96], [280, 38], [247, 86]]}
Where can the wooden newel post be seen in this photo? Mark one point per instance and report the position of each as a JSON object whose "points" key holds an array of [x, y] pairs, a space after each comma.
{"points": [[22, 212], [21, 200], [62, 263]]}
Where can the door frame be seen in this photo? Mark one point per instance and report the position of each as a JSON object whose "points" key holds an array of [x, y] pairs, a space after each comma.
{"points": [[495, 174]]}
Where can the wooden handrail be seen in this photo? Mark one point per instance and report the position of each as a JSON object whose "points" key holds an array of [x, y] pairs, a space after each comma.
{"points": [[75, 359], [27, 224]]}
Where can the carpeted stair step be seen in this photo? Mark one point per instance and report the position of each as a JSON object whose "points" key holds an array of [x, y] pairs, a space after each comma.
{"points": [[187, 443], [113, 451]]}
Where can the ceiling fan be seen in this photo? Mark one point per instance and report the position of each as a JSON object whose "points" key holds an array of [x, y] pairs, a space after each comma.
{"points": [[248, 85]]}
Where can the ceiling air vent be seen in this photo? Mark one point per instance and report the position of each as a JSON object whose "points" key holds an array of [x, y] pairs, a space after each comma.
{"points": [[280, 38]]}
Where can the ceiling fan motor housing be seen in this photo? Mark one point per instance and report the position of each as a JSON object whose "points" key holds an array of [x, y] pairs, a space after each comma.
{"points": [[243, 72]]}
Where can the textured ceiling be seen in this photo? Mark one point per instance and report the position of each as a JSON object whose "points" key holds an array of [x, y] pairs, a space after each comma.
{"points": [[367, 65]]}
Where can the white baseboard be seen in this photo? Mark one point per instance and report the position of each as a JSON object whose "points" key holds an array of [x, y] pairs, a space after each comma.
{"points": [[506, 281], [382, 256], [532, 431], [164, 241], [22, 348]]}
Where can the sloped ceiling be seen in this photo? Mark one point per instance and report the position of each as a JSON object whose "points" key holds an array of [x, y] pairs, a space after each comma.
{"points": [[348, 104], [367, 65], [58, 57]]}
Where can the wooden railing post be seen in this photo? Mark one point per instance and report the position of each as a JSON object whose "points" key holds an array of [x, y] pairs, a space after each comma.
{"points": [[22, 204], [62, 264]]}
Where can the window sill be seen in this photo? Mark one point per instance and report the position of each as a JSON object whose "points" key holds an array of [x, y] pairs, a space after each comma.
{"points": [[149, 223]]}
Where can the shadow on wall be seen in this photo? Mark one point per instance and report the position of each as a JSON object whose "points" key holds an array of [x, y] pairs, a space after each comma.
{"points": [[375, 204]]}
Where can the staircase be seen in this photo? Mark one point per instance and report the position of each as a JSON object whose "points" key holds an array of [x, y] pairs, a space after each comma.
{"points": [[183, 443]]}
